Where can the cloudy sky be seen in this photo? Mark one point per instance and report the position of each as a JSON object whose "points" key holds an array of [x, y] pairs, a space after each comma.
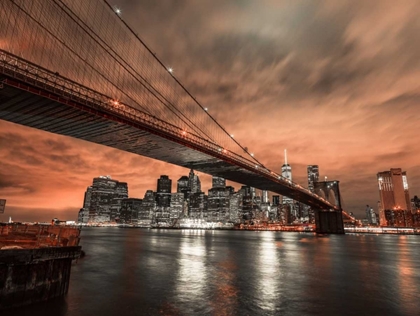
{"points": [[337, 83]]}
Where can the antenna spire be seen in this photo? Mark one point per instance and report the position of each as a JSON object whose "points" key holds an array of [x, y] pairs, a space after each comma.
{"points": [[285, 156]]}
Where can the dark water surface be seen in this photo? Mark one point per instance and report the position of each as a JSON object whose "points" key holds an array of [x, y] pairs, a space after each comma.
{"points": [[196, 272]]}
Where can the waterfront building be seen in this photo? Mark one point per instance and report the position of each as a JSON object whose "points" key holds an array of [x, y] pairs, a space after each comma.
{"points": [[371, 216], [247, 203], [218, 182], [197, 205], [99, 197], [115, 210], [395, 206], [313, 176], [130, 209], [276, 199], [218, 204], [163, 192], [183, 186], [194, 182], [177, 205], [235, 207], [147, 209]]}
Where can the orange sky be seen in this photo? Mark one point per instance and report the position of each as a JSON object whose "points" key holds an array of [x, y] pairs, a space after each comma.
{"points": [[336, 83]]}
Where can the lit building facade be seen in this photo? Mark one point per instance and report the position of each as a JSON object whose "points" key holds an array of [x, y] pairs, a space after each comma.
{"points": [[194, 182], [130, 209], [177, 205], [286, 172], [394, 206], [313, 176], [218, 204], [99, 198], [163, 193]]}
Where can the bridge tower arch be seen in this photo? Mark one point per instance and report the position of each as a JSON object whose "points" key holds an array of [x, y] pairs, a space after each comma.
{"points": [[329, 221]]}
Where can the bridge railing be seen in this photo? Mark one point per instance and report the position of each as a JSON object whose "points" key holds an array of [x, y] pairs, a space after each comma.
{"points": [[69, 91]]}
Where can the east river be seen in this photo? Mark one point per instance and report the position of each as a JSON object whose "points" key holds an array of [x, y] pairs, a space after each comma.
{"points": [[197, 272]]}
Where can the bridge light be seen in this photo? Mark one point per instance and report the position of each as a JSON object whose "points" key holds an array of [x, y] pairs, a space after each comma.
{"points": [[256, 166], [184, 133], [252, 155], [117, 11], [231, 135], [206, 109], [170, 70], [115, 102], [224, 151], [220, 149]]}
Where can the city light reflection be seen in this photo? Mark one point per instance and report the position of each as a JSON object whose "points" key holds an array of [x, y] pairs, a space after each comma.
{"points": [[269, 267], [192, 275], [408, 288]]}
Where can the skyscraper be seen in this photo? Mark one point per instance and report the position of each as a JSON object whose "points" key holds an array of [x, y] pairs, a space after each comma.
{"points": [[194, 182], [313, 176], [394, 198], [164, 189], [286, 169], [183, 186], [218, 204], [286, 172], [130, 209], [99, 198]]}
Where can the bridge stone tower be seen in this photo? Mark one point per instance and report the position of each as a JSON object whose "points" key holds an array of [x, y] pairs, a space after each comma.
{"points": [[329, 221]]}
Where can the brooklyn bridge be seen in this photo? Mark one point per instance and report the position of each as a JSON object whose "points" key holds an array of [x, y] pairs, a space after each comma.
{"points": [[76, 68]]}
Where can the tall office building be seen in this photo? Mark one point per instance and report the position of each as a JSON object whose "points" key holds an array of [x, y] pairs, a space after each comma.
{"points": [[177, 205], [286, 172], [313, 176], [130, 209], [395, 208], [371, 216], [235, 206], [218, 204], [147, 208], [218, 182], [99, 198], [286, 169], [194, 182], [163, 193], [183, 186], [197, 205]]}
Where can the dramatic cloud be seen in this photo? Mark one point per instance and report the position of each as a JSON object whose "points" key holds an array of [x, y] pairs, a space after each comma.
{"points": [[337, 83]]}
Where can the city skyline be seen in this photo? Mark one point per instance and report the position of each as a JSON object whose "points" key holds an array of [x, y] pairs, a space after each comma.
{"points": [[349, 96]]}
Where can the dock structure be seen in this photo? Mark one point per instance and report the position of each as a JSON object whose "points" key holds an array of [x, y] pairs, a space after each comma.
{"points": [[35, 262]]}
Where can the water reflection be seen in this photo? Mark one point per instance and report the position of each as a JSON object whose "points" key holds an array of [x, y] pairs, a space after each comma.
{"points": [[408, 288], [269, 277], [192, 276]]}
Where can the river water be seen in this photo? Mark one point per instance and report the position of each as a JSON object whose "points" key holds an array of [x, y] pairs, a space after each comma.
{"points": [[197, 272]]}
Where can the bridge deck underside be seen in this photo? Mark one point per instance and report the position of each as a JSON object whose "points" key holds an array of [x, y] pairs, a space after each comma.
{"points": [[35, 111]]}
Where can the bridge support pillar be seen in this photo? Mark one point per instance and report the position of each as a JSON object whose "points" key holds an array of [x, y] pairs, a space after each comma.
{"points": [[329, 222]]}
